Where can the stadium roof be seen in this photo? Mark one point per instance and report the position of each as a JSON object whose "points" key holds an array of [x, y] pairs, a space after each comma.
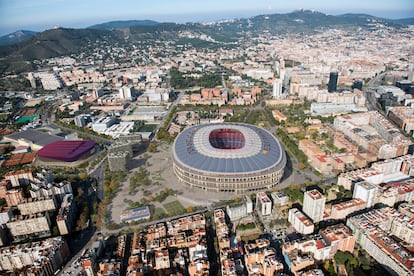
{"points": [[67, 151], [251, 148]]}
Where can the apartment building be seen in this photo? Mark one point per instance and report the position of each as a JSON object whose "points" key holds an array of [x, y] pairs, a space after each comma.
{"points": [[300, 222], [366, 192], [371, 233], [343, 209], [394, 192], [32, 226], [403, 227], [14, 197], [403, 117], [376, 135], [263, 204], [339, 238], [65, 218], [35, 258], [20, 178], [48, 189], [314, 205], [261, 259], [279, 199], [29, 206]]}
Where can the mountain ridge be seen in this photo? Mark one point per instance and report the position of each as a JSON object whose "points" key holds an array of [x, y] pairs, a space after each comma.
{"points": [[61, 41], [121, 24]]}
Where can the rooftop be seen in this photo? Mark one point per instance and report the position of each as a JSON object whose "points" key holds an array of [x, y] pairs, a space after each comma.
{"points": [[228, 148], [35, 137], [67, 151], [314, 194]]}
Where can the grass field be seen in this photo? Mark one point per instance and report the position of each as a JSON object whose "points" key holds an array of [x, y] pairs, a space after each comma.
{"points": [[174, 208], [147, 128], [159, 212]]}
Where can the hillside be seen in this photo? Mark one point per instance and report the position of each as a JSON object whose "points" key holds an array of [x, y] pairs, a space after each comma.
{"points": [[51, 43]]}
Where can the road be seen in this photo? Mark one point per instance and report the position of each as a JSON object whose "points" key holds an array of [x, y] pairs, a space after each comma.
{"points": [[369, 91], [177, 100], [86, 238], [98, 174]]}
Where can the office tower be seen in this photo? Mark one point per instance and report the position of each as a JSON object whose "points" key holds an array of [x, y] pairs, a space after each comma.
{"points": [[314, 205], [333, 81], [127, 93]]}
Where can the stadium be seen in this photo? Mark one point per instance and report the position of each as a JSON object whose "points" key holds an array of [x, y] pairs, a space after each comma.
{"points": [[228, 157]]}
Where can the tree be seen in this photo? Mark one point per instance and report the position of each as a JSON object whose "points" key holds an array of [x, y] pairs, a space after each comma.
{"points": [[353, 261], [331, 269], [55, 231], [342, 150], [342, 257], [2, 202], [83, 176], [190, 209], [112, 185], [152, 147], [326, 265], [80, 192], [364, 263]]}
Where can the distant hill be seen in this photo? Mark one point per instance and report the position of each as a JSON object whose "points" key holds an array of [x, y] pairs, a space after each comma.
{"points": [[405, 21], [304, 21], [54, 42], [123, 24], [16, 37], [160, 31]]}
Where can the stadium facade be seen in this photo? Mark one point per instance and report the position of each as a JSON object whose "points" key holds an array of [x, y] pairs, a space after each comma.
{"points": [[228, 157]]}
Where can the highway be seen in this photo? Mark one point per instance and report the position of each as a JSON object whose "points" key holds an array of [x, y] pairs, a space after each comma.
{"points": [[369, 91]]}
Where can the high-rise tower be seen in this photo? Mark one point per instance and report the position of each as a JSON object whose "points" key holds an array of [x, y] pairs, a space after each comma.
{"points": [[277, 88], [333, 81]]}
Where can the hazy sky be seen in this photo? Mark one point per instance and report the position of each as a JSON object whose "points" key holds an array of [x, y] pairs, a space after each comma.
{"points": [[39, 15]]}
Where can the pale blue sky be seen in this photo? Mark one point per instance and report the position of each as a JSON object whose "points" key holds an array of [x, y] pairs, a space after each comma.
{"points": [[39, 15]]}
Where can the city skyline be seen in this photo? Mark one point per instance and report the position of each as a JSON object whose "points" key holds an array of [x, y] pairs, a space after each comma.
{"points": [[46, 14]]}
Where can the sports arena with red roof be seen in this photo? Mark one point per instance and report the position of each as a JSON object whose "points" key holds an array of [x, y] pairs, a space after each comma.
{"points": [[67, 150]]}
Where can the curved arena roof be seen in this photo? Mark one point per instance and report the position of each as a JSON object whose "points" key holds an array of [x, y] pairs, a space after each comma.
{"points": [[67, 150], [228, 148]]}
